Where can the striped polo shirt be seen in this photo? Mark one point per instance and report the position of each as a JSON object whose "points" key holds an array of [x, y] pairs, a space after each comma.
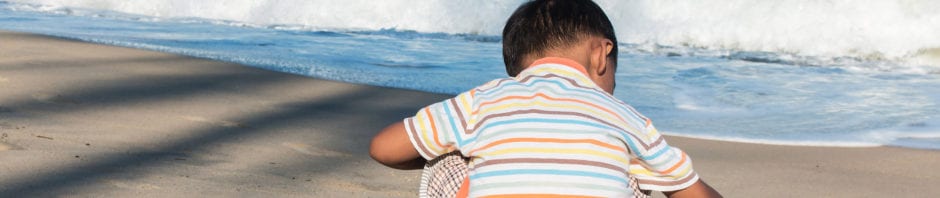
{"points": [[550, 131]]}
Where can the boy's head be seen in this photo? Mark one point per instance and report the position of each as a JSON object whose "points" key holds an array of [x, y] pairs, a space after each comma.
{"points": [[572, 28]]}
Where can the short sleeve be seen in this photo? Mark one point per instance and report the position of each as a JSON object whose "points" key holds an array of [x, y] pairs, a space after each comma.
{"points": [[440, 125], [660, 167]]}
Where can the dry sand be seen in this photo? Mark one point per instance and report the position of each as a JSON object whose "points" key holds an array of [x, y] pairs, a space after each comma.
{"points": [[88, 120]]}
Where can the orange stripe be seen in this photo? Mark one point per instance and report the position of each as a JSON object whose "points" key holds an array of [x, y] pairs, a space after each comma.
{"points": [[434, 129], [674, 167], [533, 196], [549, 98], [549, 140]]}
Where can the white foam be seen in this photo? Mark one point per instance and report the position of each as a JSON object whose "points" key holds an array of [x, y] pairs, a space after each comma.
{"points": [[929, 129], [870, 29], [696, 99], [823, 28], [472, 17], [925, 135]]}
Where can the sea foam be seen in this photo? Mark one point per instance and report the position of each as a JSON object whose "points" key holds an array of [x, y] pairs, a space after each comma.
{"points": [[894, 30]]}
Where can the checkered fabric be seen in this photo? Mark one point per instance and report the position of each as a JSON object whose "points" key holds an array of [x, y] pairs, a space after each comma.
{"points": [[443, 175]]}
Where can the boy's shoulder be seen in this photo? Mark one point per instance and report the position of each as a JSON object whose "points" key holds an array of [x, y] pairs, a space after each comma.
{"points": [[492, 84]]}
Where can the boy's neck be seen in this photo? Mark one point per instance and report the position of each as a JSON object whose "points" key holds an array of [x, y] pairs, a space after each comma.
{"points": [[591, 55], [561, 60], [579, 53]]}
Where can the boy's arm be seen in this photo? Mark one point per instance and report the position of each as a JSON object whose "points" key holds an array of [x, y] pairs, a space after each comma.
{"points": [[392, 148], [698, 189]]}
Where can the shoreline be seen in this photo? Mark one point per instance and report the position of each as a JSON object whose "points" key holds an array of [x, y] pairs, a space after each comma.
{"points": [[820, 144], [88, 119]]}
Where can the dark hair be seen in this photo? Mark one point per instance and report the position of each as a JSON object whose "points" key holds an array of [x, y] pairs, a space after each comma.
{"points": [[540, 25]]}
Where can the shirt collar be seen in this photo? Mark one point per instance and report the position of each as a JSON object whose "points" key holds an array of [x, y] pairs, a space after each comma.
{"points": [[563, 67]]}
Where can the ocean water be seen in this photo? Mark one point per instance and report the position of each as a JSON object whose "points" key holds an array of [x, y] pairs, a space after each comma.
{"points": [[796, 72]]}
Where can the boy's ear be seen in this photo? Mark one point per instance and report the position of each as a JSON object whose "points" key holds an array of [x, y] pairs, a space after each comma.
{"points": [[599, 56]]}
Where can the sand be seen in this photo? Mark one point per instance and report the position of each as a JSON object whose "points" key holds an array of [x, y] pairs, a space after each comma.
{"points": [[89, 120]]}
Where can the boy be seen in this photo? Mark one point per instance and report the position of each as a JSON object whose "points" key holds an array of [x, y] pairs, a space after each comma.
{"points": [[553, 129]]}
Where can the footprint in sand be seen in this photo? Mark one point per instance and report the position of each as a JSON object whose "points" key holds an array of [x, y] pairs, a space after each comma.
{"points": [[312, 150], [213, 122]]}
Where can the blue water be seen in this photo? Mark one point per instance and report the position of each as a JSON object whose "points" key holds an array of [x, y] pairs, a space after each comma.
{"points": [[738, 95]]}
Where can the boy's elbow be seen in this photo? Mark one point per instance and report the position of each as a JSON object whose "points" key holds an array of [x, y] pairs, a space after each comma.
{"points": [[377, 153], [392, 148], [391, 159]]}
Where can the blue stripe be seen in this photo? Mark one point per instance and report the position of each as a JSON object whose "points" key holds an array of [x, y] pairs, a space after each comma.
{"points": [[627, 139], [633, 146], [542, 120], [453, 126], [630, 142], [479, 175], [656, 155]]}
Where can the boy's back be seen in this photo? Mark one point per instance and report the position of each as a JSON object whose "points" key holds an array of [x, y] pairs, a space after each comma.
{"points": [[549, 131], [553, 129]]}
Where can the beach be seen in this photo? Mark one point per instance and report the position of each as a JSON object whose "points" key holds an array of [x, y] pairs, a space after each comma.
{"points": [[89, 120]]}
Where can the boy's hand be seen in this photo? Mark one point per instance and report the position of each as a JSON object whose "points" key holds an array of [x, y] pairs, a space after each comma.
{"points": [[392, 148]]}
